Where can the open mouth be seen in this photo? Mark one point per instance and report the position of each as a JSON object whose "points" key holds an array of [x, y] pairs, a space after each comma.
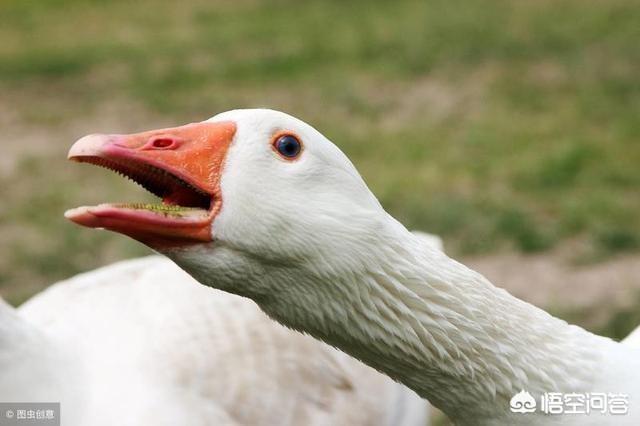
{"points": [[181, 166], [181, 200]]}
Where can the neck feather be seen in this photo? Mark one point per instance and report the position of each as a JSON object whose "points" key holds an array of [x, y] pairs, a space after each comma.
{"points": [[443, 330]]}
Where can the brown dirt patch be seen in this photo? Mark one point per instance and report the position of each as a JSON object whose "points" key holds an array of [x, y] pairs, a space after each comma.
{"points": [[550, 280]]}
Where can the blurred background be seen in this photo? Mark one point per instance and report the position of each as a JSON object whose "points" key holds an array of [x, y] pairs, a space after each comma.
{"points": [[509, 128]]}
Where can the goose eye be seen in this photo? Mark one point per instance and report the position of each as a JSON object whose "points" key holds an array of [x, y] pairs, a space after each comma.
{"points": [[288, 146]]}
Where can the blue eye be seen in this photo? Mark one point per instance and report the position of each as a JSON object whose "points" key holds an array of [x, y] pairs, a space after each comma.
{"points": [[288, 146]]}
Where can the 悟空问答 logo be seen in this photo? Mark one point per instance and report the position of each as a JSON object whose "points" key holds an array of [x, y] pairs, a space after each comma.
{"points": [[523, 403]]}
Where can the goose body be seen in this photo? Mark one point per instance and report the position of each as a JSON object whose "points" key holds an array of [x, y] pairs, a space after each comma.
{"points": [[141, 343], [260, 204]]}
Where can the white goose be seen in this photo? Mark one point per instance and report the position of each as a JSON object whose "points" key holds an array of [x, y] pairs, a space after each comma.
{"points": [[142, 343], [260, 204]]}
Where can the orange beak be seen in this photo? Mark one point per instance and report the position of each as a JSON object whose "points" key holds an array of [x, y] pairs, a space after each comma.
{"points": [[181, 165]]}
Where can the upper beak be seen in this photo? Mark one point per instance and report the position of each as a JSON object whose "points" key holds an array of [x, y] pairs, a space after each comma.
{"points": [[182, 165]]}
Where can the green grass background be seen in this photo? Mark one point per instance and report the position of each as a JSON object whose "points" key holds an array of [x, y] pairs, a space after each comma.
{"points": [[500, 125]]}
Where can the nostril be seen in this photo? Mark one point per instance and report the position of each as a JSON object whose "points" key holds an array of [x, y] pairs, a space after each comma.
{"points": [[162, 143]]}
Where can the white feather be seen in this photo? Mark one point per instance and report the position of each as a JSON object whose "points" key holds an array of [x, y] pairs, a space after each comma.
{"points": [[141, 343], [310, 243]]}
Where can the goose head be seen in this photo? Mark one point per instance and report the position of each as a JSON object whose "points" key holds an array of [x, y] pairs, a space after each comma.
{"points": [[246, 195]]}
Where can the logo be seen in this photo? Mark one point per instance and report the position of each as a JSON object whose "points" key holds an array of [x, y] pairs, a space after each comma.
{"points": [[523, 403], [570, 403]]}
